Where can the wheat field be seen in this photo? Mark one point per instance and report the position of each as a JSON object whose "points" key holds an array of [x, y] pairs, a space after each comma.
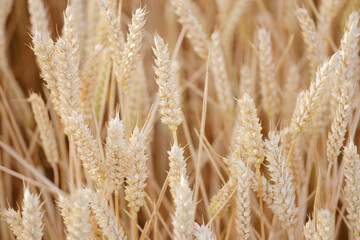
{"points": [[179, 119]]}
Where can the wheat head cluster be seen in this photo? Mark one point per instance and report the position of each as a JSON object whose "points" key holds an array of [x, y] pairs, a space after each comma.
{"points": [[179, 119]]}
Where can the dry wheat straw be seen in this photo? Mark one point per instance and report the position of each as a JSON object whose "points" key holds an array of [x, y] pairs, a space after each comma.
{"points": [[183, 218], [116, 153], [105, 216], [203, 233], [170, 109], [47, 134], [351, 190], [195, 32], [31, 217], [283, 189], [269, 88], [221, 78], [75, 212], [137, 170]]}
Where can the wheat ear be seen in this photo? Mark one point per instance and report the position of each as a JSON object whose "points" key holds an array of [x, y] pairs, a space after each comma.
{"points": [[115, 37], [38, 17], [269, 88], [116, 153], [47, 134], [315, 48], [67, 58], [195, 31], [243, 210], [131, 57], [88, 82], [137, 96], [251, 130], [308, 101], [170, 109], [351, 190], [203, 233], [31, 220], [348, 58], [137, 170], [75, 212], [13, 219], [177, 166], [283, 189], [105, 216], [221, 78], [236, 12], [44, 50], [246, 81], [183, 218], [221, 201]]}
